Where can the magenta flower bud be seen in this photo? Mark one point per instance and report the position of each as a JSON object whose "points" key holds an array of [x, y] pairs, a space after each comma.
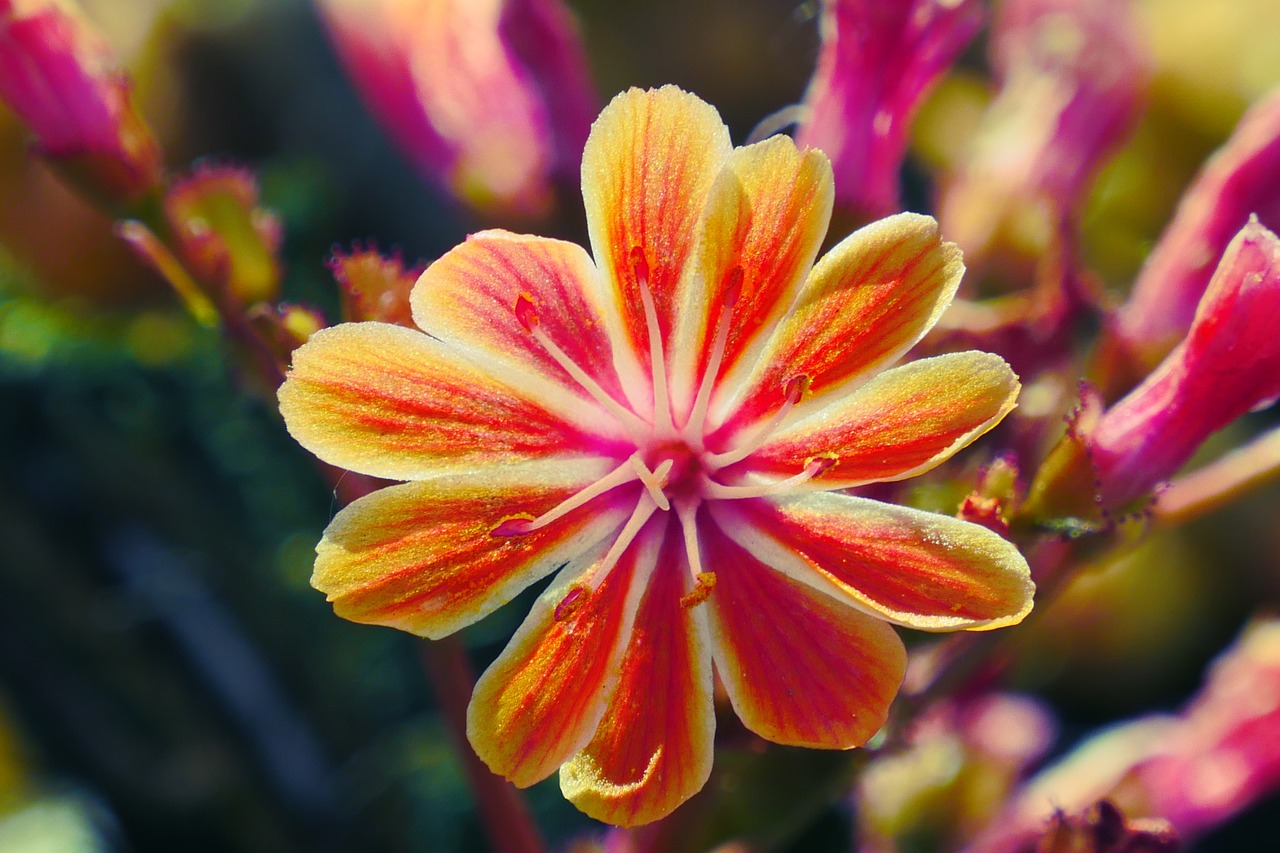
{"points": [[1228, 364], [1072, 77], [877, 62], [61, 78], [489, 99], [1241, 179]]}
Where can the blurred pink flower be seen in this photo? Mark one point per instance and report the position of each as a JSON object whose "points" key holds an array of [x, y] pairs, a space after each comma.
{"points": [[1228, 364], [1072, 77], [1196, 769], [1241, 179], [60, 76], [878, 61], [490, 99]]}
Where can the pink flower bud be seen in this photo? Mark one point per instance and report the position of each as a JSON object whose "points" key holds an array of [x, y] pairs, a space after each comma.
{"points": [[488, 98], [1072, 77], [61, 78], [1241, 179], [1228, 364], [878, 61]]}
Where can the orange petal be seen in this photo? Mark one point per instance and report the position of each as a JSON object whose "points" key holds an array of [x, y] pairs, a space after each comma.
{"points": [[420, 557], [918, 569], [867, 302], [542, 699], [392, 402], [766, 218], [800, 667], [468, 298], [902, 423], [653, 749], [647, 170]]}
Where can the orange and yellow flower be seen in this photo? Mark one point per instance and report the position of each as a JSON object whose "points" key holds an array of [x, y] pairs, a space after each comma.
{"points": [[670, 426]]}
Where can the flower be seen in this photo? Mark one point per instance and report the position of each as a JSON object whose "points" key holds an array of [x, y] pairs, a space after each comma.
{"points": [[669, 426], [1239, 181], [62, 79], [489, 98], [1228, 364], [1072, 81], [877, 63]]}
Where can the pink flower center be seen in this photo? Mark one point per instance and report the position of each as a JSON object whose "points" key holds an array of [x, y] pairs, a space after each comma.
{"points": [[670, 461]]}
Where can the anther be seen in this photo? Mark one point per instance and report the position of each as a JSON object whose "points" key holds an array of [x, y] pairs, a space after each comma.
{"points": [[703, 584], [526, 313], [573, 600]]}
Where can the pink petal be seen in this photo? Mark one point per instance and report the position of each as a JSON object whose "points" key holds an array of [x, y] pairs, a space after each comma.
{"points": [[391, 402], [902, 423], [917, 569], [801, 666], [653, 748], [420, 556], [543, 698]]}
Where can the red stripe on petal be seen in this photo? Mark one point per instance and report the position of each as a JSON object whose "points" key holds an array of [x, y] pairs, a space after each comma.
{"points": [[395, 403], [468, 298], [867, 302], [919, 569], [653, 749], [421, 557], [767, 215], [647, 170], [899, 424], [543, 698], [800, 667]]}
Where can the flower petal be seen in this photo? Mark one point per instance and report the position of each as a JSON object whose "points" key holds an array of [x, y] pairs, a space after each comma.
{"points": [[902, 423], [543, 698], [468, 298], [420, 557], [918, 569], [800, 667], [653, 749], [392, 402], [647, 169], [766, 218], [867, 302]]}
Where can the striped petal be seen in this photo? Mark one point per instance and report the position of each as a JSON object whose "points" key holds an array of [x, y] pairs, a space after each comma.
{"points": [[917, 569], [420, 557], [647, 170], [765, 221], [653, 749], [800, 667], [542, 699], [469, 298], [392, 402], [867, 302], [898, 425]]}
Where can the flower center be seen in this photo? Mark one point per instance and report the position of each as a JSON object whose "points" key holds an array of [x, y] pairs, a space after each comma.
{"points": [[672, 464]]}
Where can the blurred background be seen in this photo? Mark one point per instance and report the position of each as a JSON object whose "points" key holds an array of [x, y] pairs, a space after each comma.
{"points": [[168, 679]]}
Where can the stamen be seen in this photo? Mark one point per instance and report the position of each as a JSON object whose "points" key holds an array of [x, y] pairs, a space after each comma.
{"points": [[644, 508], [702, 587], [694, 429], [796, 388], [662, 422], [655, 481], [687, 512], [812, 468], [518, 526], [528, 317]]}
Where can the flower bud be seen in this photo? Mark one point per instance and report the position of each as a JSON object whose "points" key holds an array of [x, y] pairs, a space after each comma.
{"points": [[1241, 179], [489, 99], [60, 76], [1228, 364], [877, 62], [1072, 77], [374, 286]]}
